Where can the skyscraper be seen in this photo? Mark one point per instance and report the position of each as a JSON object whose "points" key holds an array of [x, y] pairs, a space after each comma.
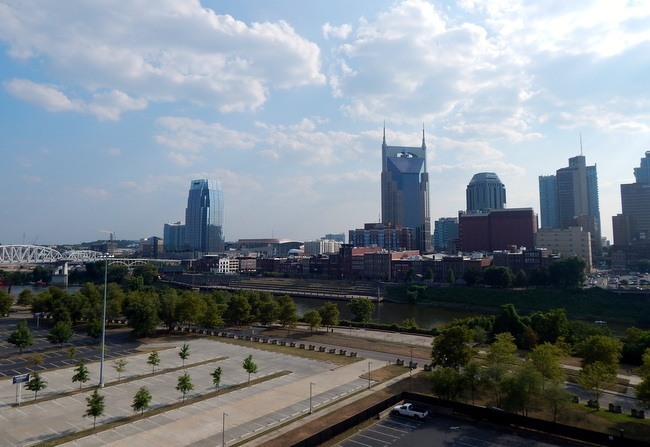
{"points": [[485, 192], [204, 217], [575, 201], [633, 226], [405, 190], [548, 201]]}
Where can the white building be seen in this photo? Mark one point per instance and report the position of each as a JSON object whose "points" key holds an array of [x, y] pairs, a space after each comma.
{"points": [[226, 266], [321, 247], [573, 241]]}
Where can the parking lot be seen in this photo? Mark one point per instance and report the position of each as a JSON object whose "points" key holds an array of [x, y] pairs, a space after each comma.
{"points": [[439, 430]]}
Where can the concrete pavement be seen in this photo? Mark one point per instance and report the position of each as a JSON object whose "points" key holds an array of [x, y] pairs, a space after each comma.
{"points": [[250, 410]]}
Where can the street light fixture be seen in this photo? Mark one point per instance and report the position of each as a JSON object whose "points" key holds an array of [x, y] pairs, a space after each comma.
{"points": [[102, 346], [223, 431], [311, 384]]}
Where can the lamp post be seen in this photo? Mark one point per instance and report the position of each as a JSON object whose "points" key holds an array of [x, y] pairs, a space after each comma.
{"points": [[102, 346], [223, 431], [369, 364], [311, 384]]}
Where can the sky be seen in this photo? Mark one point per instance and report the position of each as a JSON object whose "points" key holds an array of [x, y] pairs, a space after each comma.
{"points": [[109, 108]]}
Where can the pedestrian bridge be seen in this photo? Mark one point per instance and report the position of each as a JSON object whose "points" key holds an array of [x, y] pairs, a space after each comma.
{"points": [[38, 254]]}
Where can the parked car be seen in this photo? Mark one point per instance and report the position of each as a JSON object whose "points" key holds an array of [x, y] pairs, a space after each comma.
{"points": [[411, 410]]}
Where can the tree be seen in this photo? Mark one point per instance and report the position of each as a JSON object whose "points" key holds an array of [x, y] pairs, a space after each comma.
{"points": [[249, 366], [168, 307], [471, 376], [142, 313], [184, 384], [595, 377], [288, 316], [153, 360], [509, 321], [36, 384], [313, 319], [141, 400], [216, 377], [600, 349], [239, 309], [120, 366], [72, 352], [95, 329], [472, 276], [498, 277], [329, 313], [96, 406], [568, 272], [545, 359], [451, 347], [184, 352], [21, 337], [192, 308], [522, 388], [500, 358], [269, 312], [521, 279], [60, 333], [81, 374], [362, 309], [6, 301], [446, 383], [451, 277], [557, 399]]}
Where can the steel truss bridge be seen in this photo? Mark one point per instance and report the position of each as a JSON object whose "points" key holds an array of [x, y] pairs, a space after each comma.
{"points": [[38, 255]]}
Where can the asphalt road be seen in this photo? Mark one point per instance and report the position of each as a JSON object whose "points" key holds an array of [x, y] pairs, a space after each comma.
{"points": [[438, 430]]}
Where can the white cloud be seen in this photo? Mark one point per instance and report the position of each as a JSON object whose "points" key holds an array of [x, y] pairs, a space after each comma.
{"points": [[95, 193], [338, 32], [157, 50], [105, 106]]}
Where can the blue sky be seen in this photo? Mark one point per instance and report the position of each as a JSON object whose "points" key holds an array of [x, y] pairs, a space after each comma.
{"points": [[109, 109]]}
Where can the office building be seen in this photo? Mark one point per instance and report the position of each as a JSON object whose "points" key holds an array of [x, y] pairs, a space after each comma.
{"points": [[567, 242], [204, 217], [633, 225], [485, 192], [444, 232], [174, 237], [575, 200], [388, 237], [405, 190], [497, 230], [548, 202]]}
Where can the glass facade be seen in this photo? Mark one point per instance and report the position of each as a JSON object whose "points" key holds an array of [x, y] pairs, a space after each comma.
{"points": [[204, 217]]}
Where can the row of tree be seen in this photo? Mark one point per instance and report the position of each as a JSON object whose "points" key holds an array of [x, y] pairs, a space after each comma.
{"points": [[564, 273]]}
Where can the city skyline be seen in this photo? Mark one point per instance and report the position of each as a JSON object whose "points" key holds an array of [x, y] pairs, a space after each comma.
{"points": [[110, 109]]}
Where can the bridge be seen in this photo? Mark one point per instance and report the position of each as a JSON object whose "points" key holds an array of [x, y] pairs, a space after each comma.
{"points": [[39, 255]]}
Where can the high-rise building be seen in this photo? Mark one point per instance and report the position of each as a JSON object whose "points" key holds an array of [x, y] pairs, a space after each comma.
{"points": [[633, 226], [174, 237], [575, 201], [485, 192], [444, 232], [548, 202], [497, 229], [204, 217], [405, 190]]}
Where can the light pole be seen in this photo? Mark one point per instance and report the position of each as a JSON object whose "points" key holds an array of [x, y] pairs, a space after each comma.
{"points": [[311, 384], [223, 431], [102, 346], [369, 364]]}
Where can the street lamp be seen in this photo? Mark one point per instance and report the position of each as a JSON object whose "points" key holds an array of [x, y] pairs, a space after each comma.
{"points": [[311, 384], [369, 364], [223, 431], [102, 346]]}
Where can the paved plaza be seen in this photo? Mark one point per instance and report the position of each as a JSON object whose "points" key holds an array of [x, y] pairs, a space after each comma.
{"points": [[249, 410]]}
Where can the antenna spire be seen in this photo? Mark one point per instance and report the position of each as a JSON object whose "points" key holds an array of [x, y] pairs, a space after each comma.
{"points": [[580, 143], [424, 144], [384, 132]]}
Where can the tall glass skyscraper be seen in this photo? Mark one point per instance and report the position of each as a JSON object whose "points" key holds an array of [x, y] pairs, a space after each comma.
{"points": [[405, 190], [635, 201], [204, 217]]}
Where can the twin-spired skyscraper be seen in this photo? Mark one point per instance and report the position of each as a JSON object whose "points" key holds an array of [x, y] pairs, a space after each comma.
{"points": [[405, 190]]}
